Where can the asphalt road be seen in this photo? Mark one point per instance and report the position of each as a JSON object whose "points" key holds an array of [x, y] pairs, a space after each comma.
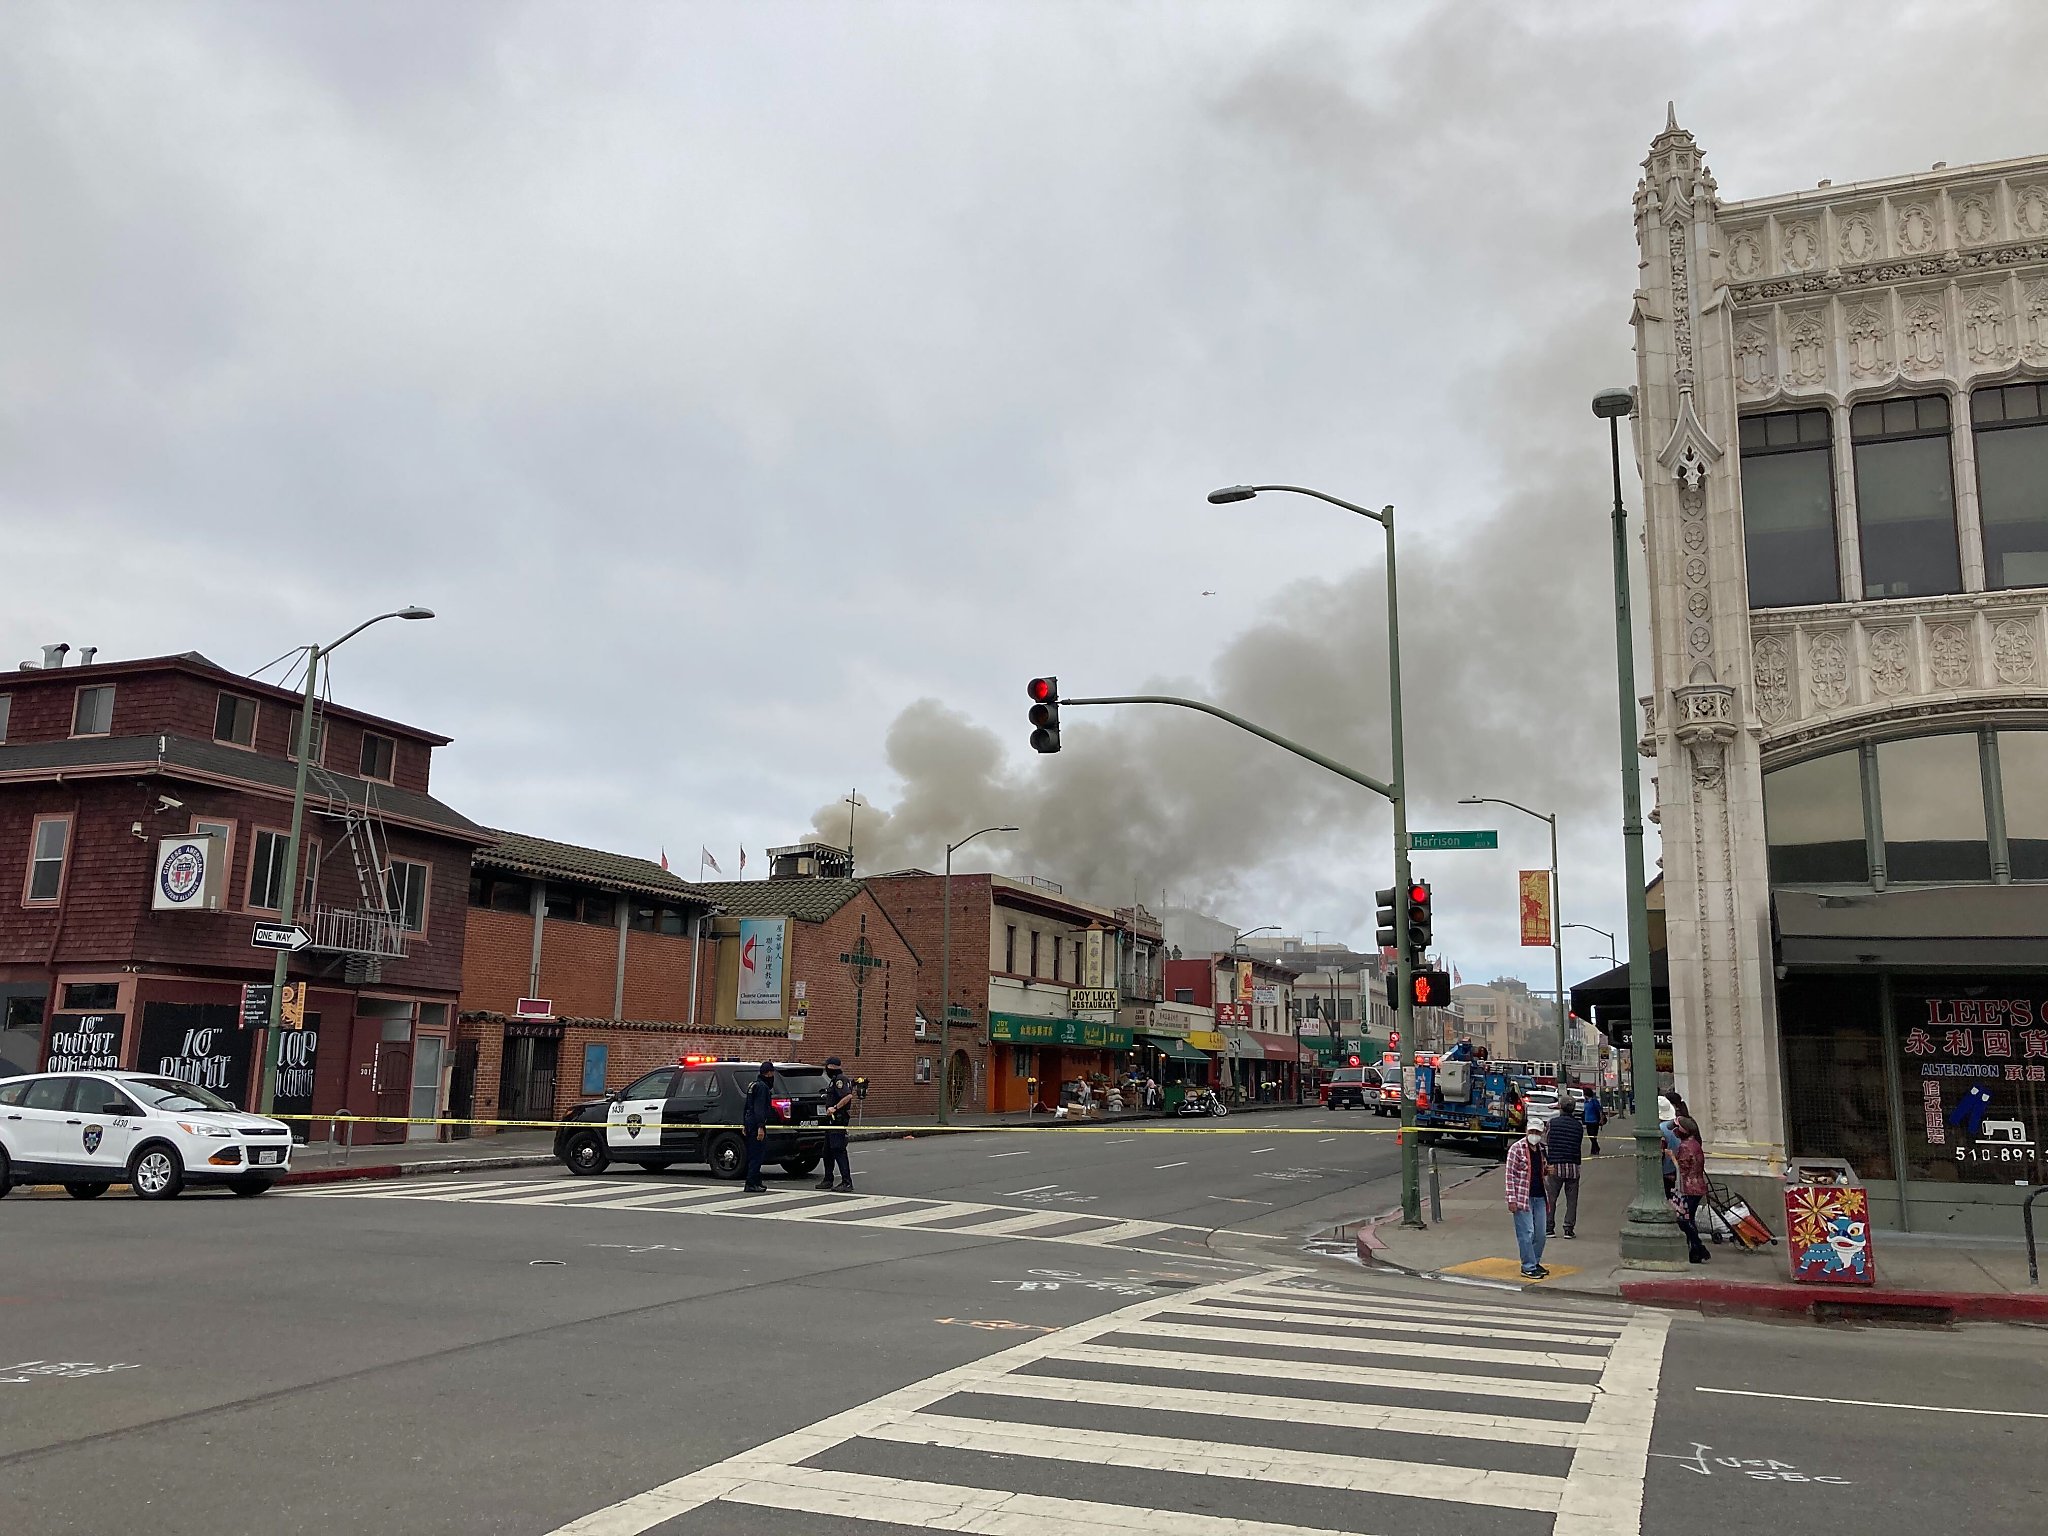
{"points": [[1111, 1331]]}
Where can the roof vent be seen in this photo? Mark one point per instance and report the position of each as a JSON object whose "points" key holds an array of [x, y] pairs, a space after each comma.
{"points": [[53, 655], [86, 654]]}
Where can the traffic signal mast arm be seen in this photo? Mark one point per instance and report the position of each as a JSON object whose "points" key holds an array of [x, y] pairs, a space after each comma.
{"points": [[1342, 772]]}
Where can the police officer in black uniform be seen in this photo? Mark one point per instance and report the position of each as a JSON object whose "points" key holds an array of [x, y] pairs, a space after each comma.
{"points": [[754, 1122], [837, 1113]]}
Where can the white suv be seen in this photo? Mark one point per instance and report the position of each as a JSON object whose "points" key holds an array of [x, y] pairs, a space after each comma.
{"points": [[90, 1130]]}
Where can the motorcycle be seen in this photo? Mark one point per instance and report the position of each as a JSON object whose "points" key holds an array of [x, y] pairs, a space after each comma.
{"points": [[1202, 1101]]}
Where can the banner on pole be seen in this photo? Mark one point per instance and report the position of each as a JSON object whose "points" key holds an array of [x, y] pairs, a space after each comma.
{"points": [[1536, 908]]}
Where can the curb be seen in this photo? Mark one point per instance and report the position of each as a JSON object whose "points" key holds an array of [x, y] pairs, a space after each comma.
{"points": [[411, 1170], [1847, 1302]]}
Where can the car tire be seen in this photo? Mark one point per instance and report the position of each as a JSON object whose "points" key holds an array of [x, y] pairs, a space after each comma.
{"points": [[90, 1190], [250, 1186], [727, 1156], [156, 1172], [585, 1155], [797, 1167], [6, 1174]]}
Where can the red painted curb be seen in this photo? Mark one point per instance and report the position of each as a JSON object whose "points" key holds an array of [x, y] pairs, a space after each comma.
{"points": [[1995, 1306]]}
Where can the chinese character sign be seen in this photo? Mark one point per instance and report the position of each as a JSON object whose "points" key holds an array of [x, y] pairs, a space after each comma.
{"points": [[1535, 885], [1980, 1063], [760, 978]]}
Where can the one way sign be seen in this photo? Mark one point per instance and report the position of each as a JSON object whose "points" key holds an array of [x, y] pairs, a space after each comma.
{"points": [[279, 936]]}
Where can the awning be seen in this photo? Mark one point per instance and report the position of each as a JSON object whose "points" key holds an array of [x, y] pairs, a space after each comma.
{"points": [[1604, 999], [1981, 926], [1173, 1047], [1277, 1047]]}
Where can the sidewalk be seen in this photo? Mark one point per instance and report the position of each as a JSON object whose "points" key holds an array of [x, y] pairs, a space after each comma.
{"points": [[1918, 1278], [321, 1162]]}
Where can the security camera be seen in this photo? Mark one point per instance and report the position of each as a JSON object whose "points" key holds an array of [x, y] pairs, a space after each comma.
{"points": [[166, 803], [136, 829]]}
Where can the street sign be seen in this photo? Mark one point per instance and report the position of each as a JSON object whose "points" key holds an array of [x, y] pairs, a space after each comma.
{"points": [[255, 1005], [279, 936], [1421, 842]]}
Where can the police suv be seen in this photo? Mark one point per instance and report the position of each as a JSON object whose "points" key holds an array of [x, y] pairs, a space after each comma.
{"points": [[690, 1113], [91, 1130]]}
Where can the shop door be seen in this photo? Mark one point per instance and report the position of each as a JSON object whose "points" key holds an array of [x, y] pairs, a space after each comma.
{"points": [[426, 1087], [529, 1073], [393, 1078], [380, 1076], [462, 1089]]}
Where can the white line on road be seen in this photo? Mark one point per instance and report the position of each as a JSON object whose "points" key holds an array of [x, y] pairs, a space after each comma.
{"points": [[1858, 1402], [1323, 1139], [1036, 1189], [1239, 1200], [1162, 1167], [1262, 1151], [1604, 1494], [1117, 1141], [1242, 1368], [1328, 1344], [1022, 1152]]}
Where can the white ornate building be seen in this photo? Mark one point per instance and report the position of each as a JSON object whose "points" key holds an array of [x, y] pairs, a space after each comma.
{"points": [[1845, 461]]}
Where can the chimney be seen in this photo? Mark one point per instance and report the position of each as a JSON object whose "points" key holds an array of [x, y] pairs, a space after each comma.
{"points": [[86, 654], [53, 655]]}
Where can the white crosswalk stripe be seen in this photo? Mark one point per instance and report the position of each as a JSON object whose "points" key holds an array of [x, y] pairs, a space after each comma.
{"points": [[963, 1218], [1067, 1432]]}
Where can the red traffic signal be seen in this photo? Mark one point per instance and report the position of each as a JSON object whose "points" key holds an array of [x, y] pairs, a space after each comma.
{"points": [[1045, 713]]}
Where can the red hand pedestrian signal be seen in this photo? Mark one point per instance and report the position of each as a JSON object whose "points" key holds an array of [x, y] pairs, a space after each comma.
{"points": [[1432, 989]]}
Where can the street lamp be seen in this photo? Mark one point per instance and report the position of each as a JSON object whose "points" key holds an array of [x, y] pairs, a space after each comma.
{"points": [[1237, 947], [314, 656], [1556, 915], [943, 1075], [1397, 797], [1649, 1237], [1612, 958]]}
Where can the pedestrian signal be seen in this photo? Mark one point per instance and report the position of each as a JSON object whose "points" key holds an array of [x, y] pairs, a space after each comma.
{"points": [[1432, 989], [1045, 713]]}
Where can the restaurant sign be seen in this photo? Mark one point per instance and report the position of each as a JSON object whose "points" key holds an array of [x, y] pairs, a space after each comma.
{"points": [[1022, 1029]]}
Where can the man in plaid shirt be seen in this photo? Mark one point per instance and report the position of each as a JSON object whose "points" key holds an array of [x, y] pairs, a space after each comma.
{"points": [[1526, 1204]]}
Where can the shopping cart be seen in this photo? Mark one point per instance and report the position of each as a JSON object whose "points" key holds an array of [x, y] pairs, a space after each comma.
{"points": [[1730, 1216]]}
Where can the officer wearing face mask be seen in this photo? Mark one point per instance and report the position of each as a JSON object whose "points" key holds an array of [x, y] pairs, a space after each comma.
{"points": [[837, 1113], [754, 1118]]}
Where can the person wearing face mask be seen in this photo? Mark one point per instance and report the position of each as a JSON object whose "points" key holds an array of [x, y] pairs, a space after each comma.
{"points": [[1526, 1204]]}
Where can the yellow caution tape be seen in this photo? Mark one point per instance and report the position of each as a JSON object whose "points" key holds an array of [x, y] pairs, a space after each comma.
{"points": [[1053, 1127]]}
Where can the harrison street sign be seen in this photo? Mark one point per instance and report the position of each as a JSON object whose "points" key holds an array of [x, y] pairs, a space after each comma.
{"points": [[1423, 842]]}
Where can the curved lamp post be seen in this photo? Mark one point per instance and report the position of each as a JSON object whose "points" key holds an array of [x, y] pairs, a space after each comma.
{"points": [[944, 1075]]}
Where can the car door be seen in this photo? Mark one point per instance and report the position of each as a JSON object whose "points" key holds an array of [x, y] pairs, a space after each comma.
{"points": [[102, 1122], [690, 1103], [633, 1122], [37, 1130]]}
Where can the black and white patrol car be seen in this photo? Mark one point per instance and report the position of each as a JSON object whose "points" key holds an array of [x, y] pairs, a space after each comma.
{"points": [[91, 1130], [690, 1113]]}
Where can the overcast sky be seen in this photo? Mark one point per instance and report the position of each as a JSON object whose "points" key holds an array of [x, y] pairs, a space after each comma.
{"points": [[762, 392]]}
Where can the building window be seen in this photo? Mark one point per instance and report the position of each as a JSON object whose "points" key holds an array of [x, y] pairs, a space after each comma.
{"points": [[1813, 822], [1010, 949], [1034, 952], [1183, 994], [601, 911], [405, 889], [672, 922], [2023, 774], [266, 870], [223, 835], [6, 707], [379, 753], [1930, 795], [2012, 483], [234, 720], [91, 996], [644, 917], [1079, 951], [93, 712], [309, 875], [291, 741], [1788, 510], [562, 904], [511, 894], [1905, 498], [1059, 960]]}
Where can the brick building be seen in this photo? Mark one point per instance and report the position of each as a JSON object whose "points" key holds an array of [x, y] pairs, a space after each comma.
{"points": [[1046, 988], [821, 961], [144, 809], [1253, 1000], [603, 949]]}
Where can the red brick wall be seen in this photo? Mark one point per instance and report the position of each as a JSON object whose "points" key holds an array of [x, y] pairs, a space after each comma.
{"points": [[917, 904], [888, 1046], [578, 964]]}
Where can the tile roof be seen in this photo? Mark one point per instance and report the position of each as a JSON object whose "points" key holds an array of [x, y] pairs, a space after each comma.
{"points": [[808, 901], [167, 754], [616, 871]]}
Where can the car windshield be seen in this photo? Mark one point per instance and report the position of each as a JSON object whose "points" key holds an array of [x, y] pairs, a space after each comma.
{"points": [[801, 1081], [169, 1094]]}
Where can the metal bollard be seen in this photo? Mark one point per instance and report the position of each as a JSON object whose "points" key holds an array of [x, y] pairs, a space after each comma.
{"points": [[1436, 1194], [2027, 1217]]}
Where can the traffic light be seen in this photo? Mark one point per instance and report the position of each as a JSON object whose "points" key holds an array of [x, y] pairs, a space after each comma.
{"points": [[1432, 989], [1389, 935], [1418, 923], [1045, 713]]}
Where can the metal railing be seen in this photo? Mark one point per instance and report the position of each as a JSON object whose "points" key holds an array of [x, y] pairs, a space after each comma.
{"points": [[351, 931]]}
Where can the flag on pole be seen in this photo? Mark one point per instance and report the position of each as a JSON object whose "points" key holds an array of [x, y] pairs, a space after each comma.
{"points": [[706, 852], [743, 863], [1456, 979], [664, 861]]}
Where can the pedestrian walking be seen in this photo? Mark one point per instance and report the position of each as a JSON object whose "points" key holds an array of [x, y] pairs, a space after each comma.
{"points": [[1668, 1129], [754, 1123], [1562, 1142], [1593, 1113], [1691, 1157], [837, 1114], [1527, 1200]]}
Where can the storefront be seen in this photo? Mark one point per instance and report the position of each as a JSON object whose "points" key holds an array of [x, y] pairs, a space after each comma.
{"points": [[1175, 1065], [1052, 1057]]}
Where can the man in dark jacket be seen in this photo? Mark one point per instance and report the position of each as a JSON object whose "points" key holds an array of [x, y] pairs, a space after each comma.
{"points": [[754, 1122], [1594, 1113], [837, 1113], [1562, 1141]]}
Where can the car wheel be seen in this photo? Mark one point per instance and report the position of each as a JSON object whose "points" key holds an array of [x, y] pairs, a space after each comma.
{"points": [[727, 1156], [586, 1155], [797, 1167], [88, 1191], [249, 1186], [6, 1173], [156, 1172]]}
